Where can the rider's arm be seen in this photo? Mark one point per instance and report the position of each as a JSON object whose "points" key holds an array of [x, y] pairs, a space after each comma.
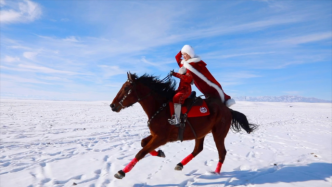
{"points": [[178, 58], [186, 77]]}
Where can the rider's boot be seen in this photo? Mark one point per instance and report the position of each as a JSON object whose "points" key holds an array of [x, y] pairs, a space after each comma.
{"points": [[176, 117]]}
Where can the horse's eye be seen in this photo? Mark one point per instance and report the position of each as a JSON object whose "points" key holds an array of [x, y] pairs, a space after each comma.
{"points": [[126, 88]]}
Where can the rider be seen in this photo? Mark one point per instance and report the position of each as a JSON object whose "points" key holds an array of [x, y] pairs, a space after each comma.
{"points": [[203, 79], [182, 93]]}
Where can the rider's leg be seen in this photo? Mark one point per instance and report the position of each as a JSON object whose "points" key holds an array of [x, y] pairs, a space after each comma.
{"points": [[177, 112], [176, 117]]}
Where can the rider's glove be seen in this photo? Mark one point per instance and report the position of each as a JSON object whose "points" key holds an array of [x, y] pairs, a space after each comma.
{"points": [[171, 72]]}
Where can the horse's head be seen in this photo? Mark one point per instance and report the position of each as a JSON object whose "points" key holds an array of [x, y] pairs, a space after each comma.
{"points": [[126, 96], [136, 89]]}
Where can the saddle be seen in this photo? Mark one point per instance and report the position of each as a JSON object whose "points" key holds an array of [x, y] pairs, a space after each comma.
{"points": [[197, 107], [192, 107]]}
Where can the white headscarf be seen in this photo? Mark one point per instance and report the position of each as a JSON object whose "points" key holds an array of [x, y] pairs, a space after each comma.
{"points": [[189, 50]]}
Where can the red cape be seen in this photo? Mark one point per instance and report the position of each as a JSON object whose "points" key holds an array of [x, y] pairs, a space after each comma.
{"points": [[203, 79]]}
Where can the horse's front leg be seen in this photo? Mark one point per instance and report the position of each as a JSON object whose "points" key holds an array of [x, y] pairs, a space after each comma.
{"points": [[158, 153], [155, 142]]}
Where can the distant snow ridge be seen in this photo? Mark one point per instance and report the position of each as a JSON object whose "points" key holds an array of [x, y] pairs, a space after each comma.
{"points": [[285, 98]]}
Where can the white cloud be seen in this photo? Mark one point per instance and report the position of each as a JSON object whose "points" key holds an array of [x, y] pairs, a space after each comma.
{"points": [[24, 11], [71, 39], [7, 16], [115, 85], [44, 69], [143, 38], [20, 79], [275, 5], [234, 78], [242, 75], [53, 78], [216, 54], [19, 47], [2, 3], [40, 69], [148, 62], [10, 59], [163, 66], [306, 38], [30, 55], [110, 71]]}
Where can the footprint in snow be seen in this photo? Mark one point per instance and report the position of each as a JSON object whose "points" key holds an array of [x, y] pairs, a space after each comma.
{"points": [[5, 164], [208, 162], [191, 173], [98, 172]]}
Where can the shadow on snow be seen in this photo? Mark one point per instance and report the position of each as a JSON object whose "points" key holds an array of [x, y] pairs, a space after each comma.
{"points": [[274, 174]]}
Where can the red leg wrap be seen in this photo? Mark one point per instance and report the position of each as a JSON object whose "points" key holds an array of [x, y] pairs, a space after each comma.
{"points": [[130, 165], [187, 159], [218, 167], [154, 153]]}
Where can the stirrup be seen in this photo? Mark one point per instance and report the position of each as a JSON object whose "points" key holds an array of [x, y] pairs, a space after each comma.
{"points": [[173, 120]]}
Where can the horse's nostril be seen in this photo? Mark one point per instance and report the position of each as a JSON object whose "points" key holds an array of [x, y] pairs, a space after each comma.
{"points": [[112, 106]]}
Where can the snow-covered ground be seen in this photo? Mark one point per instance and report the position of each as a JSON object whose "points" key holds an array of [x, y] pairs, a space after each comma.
{"points": [[63, 143]]}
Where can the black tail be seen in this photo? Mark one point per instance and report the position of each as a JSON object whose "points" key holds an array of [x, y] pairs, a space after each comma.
{"points": [[240, 120]]}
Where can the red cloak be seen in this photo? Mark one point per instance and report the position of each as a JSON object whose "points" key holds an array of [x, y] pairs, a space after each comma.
{"points": [[203, 79]]}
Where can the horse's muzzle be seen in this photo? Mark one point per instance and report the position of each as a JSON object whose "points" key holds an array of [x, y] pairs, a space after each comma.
{"points": [[113, 107]]}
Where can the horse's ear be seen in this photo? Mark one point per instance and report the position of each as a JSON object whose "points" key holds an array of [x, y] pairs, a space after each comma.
{"points": [[129, 76]]}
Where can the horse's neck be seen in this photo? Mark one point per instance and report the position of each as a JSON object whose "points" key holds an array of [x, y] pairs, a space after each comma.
{"points": [[151, 105]]}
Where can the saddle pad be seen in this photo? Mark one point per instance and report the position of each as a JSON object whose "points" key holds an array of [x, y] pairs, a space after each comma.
{"points": [[195, 111]]}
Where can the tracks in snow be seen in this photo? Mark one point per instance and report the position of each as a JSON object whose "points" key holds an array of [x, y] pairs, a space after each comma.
{"points": [[62, 143]]}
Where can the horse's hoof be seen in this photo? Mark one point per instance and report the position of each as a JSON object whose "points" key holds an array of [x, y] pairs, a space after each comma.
{"points": [[120, 174], [179, 167], [161, 154]]}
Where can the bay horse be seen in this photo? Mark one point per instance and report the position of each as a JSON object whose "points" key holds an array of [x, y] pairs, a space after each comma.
{"points": [[153, 95]]}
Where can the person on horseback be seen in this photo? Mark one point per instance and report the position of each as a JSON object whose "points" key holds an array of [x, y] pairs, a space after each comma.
{"points": [[202, 77], [182, 93]]}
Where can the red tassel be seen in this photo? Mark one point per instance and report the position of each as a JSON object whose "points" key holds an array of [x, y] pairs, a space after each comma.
{"points": [[154, 153], [187, 159], [218, 167], [130, 165]]}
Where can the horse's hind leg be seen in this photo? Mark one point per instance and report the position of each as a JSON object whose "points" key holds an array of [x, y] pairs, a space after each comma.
{"points": [[159, 153], [198, 148], [219, 139]]}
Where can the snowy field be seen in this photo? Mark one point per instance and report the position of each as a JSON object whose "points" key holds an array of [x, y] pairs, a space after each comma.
{"points": [[68, 143]]}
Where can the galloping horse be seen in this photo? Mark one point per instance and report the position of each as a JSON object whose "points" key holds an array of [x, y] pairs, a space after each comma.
{"points": [[153, 95]]}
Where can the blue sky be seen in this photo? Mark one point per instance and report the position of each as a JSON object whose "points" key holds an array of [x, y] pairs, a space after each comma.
{"points": [[81, 50]]}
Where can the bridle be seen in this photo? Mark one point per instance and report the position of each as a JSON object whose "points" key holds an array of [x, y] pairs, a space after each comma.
{"points": [[140, 99], [129, 92]]}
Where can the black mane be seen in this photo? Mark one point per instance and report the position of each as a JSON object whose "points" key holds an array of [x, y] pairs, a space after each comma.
{"points": [[165, 87]]}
